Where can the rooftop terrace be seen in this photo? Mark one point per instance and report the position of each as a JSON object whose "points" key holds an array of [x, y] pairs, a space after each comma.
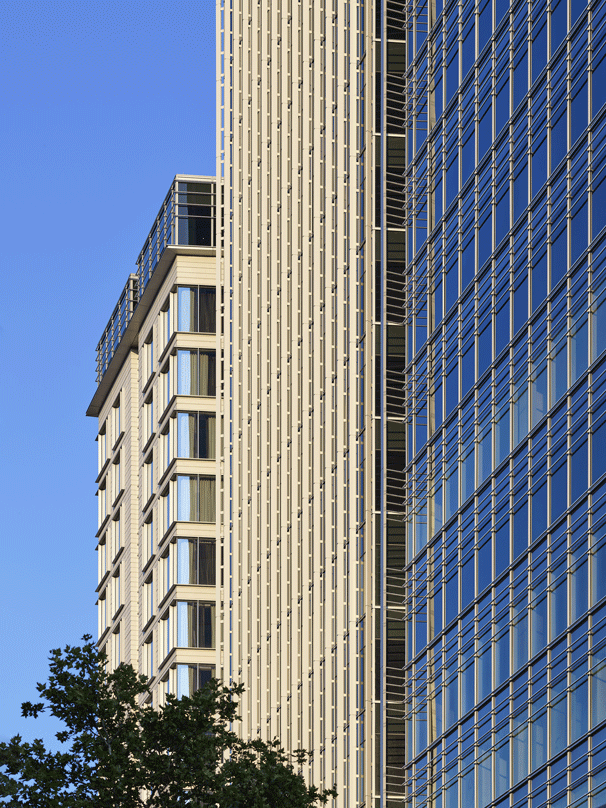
{"points": [[187, 218], [186, 223]]}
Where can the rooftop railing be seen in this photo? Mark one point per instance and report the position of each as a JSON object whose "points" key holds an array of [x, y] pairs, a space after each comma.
{"points": [[188, 216]]}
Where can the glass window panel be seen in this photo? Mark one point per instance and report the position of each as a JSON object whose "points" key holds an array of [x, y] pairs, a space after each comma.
{"points": [[187, 311]]}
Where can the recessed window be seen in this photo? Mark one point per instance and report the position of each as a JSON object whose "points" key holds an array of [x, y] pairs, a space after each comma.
{"points": [[116, 534], [148, 536], [102, 445], [196, 435], [196, 561], [196, 371], [115, 591], [197, 309], [195, 624], [116, 421], [196, 498], [148, 357], [192, 677], [116, 650]]}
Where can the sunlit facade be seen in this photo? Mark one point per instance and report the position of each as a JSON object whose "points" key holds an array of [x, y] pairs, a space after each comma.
{"points": [[156, 403], [362, 466], [414, 276]]}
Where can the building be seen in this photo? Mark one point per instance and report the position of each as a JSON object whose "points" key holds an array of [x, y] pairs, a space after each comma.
{"points": [[156, 402], [412, 456], [414, 276]]}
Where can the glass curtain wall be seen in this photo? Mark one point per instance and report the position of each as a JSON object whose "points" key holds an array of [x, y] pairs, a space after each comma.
{"points": [[496, 486]]}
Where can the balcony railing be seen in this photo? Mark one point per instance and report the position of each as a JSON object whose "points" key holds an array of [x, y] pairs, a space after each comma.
{"points": [[188, 217]]}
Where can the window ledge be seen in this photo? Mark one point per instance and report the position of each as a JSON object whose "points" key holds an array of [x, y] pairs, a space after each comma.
{"points": [[117, 613], [148, 564], [103, 635], [148, 383], [118, 556], [150, 499], [118, 498], [102, 526], [167, 534], [118, 439], [166, 414], [102, 581], [148, 443], [166, 474], [167, 661], [103, 469], [168, 347], [166, 598], [147, 625]]}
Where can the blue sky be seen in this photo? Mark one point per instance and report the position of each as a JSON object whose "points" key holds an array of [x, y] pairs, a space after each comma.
{"points": [[102, 104]]}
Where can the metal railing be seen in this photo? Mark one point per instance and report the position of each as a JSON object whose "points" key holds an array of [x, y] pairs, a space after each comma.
{"points": [[188, 216]]}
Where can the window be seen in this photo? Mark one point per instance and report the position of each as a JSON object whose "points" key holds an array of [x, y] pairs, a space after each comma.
{"points": [[196, 435], [196, 500], [165, 326], [196, 372], [102, 612], [148, 418], [164, 388], [102, 446], [197, 309], [165, 639], [149, 657], [148, 357], [195, 624], [148, 536], [165, 575], [165, 450], [115, 592], [116, 479], [148, 600], [165, 511], [116, 538], [196, 561], [116, 659], [102, 557], [192, 677], [102, 502], [148, 478], [116, 422]]}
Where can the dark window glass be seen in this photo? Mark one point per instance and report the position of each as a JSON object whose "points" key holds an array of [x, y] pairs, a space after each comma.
{"points": [[196, 562], [197, 310], [196, 435], [196, 373]]}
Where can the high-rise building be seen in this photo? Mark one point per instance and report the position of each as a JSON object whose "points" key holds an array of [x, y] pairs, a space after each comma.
{"points": [[157, 486], [415, 393], [411, 463]]}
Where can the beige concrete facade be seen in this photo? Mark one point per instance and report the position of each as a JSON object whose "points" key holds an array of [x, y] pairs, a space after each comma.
{"points": [[157, 538], [295, 156]]}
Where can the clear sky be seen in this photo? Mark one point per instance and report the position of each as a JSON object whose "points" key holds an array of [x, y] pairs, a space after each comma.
{"points": [[102, 104]]}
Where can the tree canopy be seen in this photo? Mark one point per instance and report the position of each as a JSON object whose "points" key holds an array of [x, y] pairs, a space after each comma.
{"points": [[122, 753]]}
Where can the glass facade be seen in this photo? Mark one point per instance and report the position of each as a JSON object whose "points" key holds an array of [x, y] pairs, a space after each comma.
{"points": [[493, 138]]}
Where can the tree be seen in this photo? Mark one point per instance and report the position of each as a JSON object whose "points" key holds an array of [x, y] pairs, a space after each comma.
{"points": [[124, 754]]}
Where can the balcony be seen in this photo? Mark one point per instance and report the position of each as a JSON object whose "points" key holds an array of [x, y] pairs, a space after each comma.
{"points": [[188, 217]]}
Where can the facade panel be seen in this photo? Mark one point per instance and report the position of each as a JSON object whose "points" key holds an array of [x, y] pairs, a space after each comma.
{"points": [[296, 156]]}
